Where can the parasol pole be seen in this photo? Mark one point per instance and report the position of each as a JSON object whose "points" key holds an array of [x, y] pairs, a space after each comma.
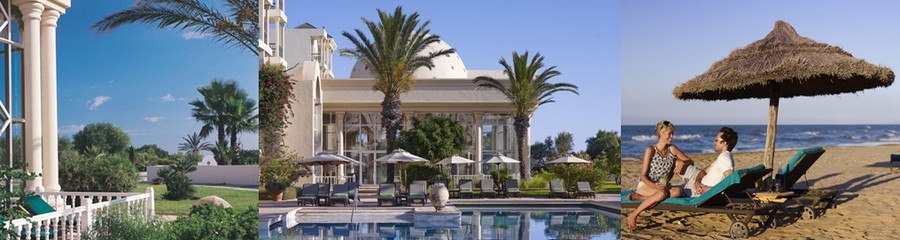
{"points": [[771, 129]]}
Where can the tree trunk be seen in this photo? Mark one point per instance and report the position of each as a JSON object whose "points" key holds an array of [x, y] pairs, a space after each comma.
{"points": [[390, 119], [521, 123], [234, 146], [221, 135]]}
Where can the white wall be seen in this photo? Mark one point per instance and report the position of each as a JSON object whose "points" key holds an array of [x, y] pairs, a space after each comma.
{"points": [[235, 175]]}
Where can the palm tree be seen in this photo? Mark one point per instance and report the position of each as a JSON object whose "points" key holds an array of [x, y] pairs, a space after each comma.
{"points": [[193, 143], [393, 53], [223, 107], [237, 27], [242, 119], [527, 90]]}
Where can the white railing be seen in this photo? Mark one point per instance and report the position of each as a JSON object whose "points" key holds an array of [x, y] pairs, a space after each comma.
{"points": [[78, 210], [334, 179]]}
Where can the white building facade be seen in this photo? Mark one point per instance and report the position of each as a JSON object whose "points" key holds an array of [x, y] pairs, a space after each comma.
{"points": [[344, 115]]}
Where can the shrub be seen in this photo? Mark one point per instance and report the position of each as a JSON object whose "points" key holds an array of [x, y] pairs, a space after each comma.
{"points": [[275, 94], [540, 180], [572, 173], [9, 196], [500, 176], [178, 185], [106, 173], [215, 222], [105, 137], [277, 174], [433, 137], [135, 225], [422, 171]]}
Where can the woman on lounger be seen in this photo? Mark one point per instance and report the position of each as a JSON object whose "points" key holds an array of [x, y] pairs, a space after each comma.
{"points": [[656, 169]]}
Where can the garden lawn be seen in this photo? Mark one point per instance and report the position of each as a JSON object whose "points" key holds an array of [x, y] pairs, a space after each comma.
{"points": [[239, 199]]}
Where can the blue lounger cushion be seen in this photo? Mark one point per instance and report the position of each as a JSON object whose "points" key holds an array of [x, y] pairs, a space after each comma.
{"points": [[731, 179], [793, 162]]}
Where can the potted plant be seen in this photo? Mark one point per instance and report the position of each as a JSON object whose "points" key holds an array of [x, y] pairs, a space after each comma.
{"points": [[277, 176]]}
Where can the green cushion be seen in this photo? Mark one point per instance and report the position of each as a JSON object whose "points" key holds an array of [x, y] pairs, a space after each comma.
{"points": [[417, 195], [340, 194], [512, 189], [36, 205], [386, 195], [793, 163]]}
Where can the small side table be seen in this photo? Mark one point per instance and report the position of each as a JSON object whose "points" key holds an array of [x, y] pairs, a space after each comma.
{"points": [[772, 197], [454, 193]]}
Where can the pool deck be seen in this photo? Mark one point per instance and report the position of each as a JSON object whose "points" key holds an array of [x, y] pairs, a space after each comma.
{"points": [[271, 212]]}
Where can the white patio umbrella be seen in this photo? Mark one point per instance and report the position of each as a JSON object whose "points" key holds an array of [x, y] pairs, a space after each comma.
{"points": [[500, 158], [568, 159], [400, 156], [455, 160]]}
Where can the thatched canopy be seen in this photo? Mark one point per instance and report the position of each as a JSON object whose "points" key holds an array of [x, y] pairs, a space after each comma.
{"points": [[798, 65]]}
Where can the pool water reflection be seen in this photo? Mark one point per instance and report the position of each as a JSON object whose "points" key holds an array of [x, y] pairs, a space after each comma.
{"points": [[478, 223]]}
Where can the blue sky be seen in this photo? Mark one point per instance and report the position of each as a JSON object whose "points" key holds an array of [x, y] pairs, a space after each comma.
{"points": [[580, 38], [139, 78], [665, 43]]}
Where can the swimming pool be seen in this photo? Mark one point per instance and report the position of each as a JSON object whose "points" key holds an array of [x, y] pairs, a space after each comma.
{"points": [[488, 223]]}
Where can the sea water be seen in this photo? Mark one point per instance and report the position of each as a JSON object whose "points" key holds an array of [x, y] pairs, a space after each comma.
{"points": [[693, 139]]}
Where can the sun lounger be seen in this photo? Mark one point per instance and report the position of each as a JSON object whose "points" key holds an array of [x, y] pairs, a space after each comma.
{"points": [[442, 181], [894, 158], [340, 195], [387, 193], [352, 190], [417, 192], [323, 194], [35, 205], [512, 188], [465, 188], [728, 197], [557, 189], [308, 194], [813, 201], [584, 189], [487, 188]]}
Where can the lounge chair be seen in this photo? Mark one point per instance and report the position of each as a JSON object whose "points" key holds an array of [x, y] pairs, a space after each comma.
{"points": [[813, 201], [584, 190], [352, 190], [387, 193], [894, 158], [465, 188], [308, 194], [417, 192], [557, 189], [728, 197], [339, 195], [512, 188], [442, 181], [323, 194], [35, 205], [487, 188]]}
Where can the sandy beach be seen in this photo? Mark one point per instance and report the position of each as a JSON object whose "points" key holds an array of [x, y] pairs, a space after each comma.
{"points": [[868, 203]]}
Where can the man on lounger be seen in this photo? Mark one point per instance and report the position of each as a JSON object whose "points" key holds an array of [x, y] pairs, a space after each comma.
{"points": [[725, 141]]}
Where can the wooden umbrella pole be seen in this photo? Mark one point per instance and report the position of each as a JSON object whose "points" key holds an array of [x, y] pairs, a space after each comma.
{"points": [[771, 128]]}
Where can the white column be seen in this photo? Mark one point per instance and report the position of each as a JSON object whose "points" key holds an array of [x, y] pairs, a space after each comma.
{"points": [[31, 18], [339, 118], [478, 149], [48, 100]]}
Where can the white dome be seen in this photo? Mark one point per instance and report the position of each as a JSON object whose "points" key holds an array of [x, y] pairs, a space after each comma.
{"points": [[448, 66]]}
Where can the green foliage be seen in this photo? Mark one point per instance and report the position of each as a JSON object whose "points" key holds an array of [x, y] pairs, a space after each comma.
{"points": [[433, 137], [117, 225], [279, 173], [275, 94], [106, 173], [178, 184], [155, 150], [97, 139], [424, 171], [541, 153], [606, 150], [573, 173], [500, 176], [11, 176], [215, 222], [540, 180], [247, 157], [226, 109], [193, 143], [564, 143]]}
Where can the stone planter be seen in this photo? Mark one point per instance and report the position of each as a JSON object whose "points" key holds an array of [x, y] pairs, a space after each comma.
{"points": [[439, 196], [276, 195]]}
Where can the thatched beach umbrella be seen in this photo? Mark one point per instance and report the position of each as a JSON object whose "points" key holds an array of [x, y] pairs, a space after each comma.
{"points": [[783, 65]]}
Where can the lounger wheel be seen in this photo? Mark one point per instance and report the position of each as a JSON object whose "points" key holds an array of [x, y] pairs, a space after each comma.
{"points": [[808, 213], [739, 230]]}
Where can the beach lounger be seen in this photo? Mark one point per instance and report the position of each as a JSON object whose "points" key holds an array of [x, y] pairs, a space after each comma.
{"points": [[387, 193], [728, 197], [465, 188], [487, 188], [323, 194], [813, 201], [308, 194], [557, 189], [442, 181], [894, 158], [339, 195], [512, 188], [417, 192], [352, 190], [584, 189]]}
